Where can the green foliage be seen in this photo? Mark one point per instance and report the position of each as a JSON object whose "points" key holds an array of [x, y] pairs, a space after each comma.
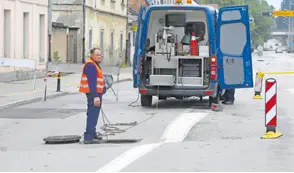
{"points": [[56, 57], [260, 29], [124, 65]]}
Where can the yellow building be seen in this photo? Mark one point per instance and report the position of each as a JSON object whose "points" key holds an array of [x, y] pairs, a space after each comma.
{"points": [[105, 27]]}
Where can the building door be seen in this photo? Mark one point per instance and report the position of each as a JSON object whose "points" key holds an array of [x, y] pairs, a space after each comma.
{"points": [[72, 46]]}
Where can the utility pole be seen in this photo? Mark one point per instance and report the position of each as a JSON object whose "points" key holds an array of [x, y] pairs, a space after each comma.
{"points": [[290, 26], [49, 28], [84, 28], [49, 46], [127, 34]]}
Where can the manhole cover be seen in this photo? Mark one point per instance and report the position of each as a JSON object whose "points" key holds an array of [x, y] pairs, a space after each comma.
{"points": [[62, 139]]}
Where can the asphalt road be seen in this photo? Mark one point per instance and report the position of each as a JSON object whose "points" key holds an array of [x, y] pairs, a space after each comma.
{"points": [[175, 135]]}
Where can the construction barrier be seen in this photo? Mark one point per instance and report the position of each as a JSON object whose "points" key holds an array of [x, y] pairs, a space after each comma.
{"points": [[259, 81], [271, 109], [279, 72], [258, 85]]}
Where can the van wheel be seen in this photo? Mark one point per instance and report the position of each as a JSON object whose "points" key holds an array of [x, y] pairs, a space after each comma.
{"points": [[215, 100], [146, 100]]}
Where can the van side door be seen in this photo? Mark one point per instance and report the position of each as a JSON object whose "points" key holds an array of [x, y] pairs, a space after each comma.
{"points": [[137, 52], [234, 48]]}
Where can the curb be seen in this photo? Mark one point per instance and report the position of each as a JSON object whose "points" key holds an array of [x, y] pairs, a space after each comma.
{"points": [[31, 100], [49, 96]]}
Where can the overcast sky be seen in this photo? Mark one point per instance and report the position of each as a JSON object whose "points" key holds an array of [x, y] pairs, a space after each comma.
{"points": [[275, 3]]}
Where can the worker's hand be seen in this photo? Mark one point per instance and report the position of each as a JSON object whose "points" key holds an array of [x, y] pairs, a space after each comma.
{"points": [[97, 102]]}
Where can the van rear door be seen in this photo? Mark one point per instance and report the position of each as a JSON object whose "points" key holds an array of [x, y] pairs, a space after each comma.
{"points": [[138, 51], [234, 48]]}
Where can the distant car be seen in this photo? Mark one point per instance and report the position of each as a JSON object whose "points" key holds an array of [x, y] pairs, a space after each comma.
{"points": [[279, 50]]}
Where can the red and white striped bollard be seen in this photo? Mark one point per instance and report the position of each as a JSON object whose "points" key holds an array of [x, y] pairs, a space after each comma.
{"points": [[271, 109]]}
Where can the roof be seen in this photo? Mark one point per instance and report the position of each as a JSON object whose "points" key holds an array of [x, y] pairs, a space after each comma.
{"points": [[193, 4], [133, 11]]}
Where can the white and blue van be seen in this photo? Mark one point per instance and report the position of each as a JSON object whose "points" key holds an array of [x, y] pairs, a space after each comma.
{"points": [[162, 65]]}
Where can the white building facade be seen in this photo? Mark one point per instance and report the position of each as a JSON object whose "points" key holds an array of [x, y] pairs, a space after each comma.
{"points": [[24, 29], [105, 27]]}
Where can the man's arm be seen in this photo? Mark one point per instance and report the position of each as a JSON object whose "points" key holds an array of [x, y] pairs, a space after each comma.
{"points": [[91, 73]]}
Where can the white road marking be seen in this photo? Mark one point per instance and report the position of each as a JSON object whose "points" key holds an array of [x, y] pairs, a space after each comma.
{"points": [[128, 157], [176, 131], [291, 90]]}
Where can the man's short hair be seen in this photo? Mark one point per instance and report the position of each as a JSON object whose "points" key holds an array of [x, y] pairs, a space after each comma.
{"points": [[93, 50]]}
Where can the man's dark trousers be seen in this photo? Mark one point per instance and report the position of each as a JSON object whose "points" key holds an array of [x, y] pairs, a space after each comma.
{"points": [[230, 95], [92, 118]]}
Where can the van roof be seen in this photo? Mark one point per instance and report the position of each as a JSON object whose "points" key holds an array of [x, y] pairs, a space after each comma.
{"points": [[194, 4]]}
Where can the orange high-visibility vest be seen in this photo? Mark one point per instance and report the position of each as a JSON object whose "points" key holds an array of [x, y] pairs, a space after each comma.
{"points": [[84, 87]]}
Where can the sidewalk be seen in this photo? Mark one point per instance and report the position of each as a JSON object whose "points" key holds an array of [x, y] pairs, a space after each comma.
{"points": [[21, 92]]}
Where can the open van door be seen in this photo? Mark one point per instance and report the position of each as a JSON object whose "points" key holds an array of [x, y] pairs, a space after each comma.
{"points": [[137, 53], [234, 48]]}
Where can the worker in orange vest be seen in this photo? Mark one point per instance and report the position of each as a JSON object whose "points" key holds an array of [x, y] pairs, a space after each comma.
{"points": [[92, 84]]}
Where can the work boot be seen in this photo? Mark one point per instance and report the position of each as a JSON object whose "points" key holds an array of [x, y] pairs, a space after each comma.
{"points": [[98, 136], [222, 98], [228, 102], [93, 141]]}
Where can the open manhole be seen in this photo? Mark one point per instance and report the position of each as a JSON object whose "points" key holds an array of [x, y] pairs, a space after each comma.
{"points": [[122, 141], [76, 139], [62, 139]]}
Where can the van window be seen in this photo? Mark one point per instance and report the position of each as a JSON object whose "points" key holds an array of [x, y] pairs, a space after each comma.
{"points": [[197, 27], [176, 20]]}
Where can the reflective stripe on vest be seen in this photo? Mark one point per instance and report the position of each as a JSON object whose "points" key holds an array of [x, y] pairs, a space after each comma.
{"points": [[84, 87]]}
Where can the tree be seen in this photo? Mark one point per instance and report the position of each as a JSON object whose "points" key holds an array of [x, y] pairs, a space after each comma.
{"points": [[261, 28]]}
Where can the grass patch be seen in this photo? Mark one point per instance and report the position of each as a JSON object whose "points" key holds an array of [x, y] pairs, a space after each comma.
{"points": [[124, 66]]}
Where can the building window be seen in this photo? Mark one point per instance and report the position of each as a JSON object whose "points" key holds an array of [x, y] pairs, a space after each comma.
{"points": [[112, 5], [42, 38], [90, 39], [7, 33], [102, 40], [112, 43], [26, 33], [121, 44]]}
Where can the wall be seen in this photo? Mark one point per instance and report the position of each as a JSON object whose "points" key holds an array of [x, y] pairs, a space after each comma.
{"points": [[136, 4], [34, 8], [108, 23], [100, 15], [72, 16], [117, 7]]}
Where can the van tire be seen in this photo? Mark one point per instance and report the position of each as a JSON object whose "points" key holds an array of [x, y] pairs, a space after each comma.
{"points": [[216, 99], [146, 100]]}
